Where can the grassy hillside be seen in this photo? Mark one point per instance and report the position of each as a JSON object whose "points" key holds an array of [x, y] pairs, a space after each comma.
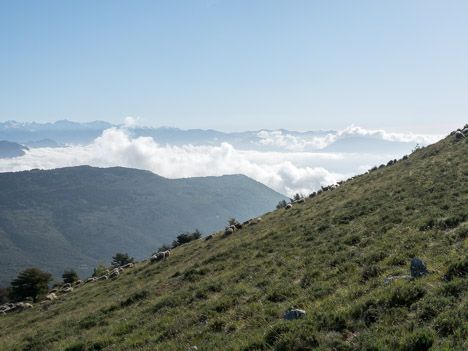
{"points": [[328, 256], [76, 217]]}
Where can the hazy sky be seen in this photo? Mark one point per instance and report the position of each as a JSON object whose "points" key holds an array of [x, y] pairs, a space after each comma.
{"points": [[237, 65]]}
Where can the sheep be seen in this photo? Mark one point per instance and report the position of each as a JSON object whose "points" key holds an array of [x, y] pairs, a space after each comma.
{"points": [[157, 257], [50, 297], [114, 273]]}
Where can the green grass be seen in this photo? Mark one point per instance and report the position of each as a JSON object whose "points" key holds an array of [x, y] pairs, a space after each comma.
{"points": [[328, 256]]}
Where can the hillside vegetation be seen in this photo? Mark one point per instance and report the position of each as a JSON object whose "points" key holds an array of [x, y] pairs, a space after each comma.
{"points": [[328, 256], [77, 217]]}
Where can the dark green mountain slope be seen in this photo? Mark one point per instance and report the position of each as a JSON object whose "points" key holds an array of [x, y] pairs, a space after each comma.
{"points": [[76, 217], [328, 256]]}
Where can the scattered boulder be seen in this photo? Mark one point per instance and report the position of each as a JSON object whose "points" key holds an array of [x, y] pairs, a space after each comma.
{"points": [[313, 194], [78, 282], [67, 290], [417, 268], [192, 348], [295, 314], [67, 285], [300, 201], [259, 219], [128, 265], [209, 237], [238, 225], [288, 207], [228, 231], [53, 291], [104, 277], [90, 280]]}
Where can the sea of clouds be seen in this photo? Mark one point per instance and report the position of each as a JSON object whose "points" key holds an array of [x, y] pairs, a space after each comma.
{"points": [[289, 172]]}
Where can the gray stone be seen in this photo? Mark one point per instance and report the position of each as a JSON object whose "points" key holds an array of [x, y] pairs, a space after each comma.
{"points": [[288, 207], [417, 268], [295, 314], [459, 135]]}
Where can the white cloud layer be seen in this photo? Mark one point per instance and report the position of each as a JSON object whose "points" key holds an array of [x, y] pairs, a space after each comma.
{"points": [[298, 143], [286, 172]]}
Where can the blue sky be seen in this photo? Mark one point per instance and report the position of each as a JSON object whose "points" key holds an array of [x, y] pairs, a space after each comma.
{"points": [[237, 65]]}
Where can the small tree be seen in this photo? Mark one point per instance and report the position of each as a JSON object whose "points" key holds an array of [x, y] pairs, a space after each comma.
{"points": [[232, 221], [69, 276], [31, 282], [164, 247], [100, 270], [186, 237], [281, 204], [121, 259], [297, 197]]}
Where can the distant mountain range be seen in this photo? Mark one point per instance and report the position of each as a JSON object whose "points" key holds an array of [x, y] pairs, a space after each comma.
{"points": [[77, 217], [65, 132]]}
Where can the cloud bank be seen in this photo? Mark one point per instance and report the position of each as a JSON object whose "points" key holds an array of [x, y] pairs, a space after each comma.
{"points": [[286, 172], [292, 142]]}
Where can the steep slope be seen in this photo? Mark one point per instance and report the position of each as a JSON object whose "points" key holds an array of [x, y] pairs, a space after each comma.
{"points": [[328, 256], [76, 217]]}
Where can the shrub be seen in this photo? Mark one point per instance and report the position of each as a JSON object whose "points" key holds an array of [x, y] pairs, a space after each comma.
{"points": [[292, 336], [369, 272], [186, 237], [138, 296], [419, 340], [69, 276], [121, 259], [458, 268], [405, 294], [447, 323], [281, 204]]}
